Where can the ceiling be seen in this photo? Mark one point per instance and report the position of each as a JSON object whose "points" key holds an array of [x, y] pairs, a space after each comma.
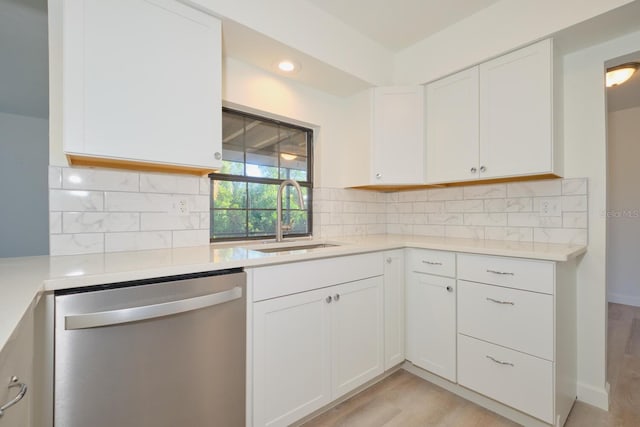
{"points": [[399, 24], [626, 95], [24, 73]]}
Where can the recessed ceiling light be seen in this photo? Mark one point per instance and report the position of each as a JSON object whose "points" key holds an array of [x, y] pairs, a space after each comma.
{"points": [[288, 156], [287, 66], [621, 73]]}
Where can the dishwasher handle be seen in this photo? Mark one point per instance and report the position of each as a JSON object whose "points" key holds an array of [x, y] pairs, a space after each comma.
{"points": [[134, 314]]}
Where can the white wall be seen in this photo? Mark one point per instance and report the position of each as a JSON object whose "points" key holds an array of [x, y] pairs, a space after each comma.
{"points": [[305, 27], [24, 211], [504, 26], [585, 156], [623, 228], [257, 91]]}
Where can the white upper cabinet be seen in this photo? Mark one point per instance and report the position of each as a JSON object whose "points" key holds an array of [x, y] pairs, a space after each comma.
{"points": [[452, 128], [397, 153], [494, 120], [141, 85], [516, 114]]}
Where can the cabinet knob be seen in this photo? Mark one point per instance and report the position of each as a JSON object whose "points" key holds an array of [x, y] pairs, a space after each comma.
{"points": [[328, 299], [483, 169], [389, 260], [378, 175], [449, 288], [474, 170], [217, 155], [337, 297]]}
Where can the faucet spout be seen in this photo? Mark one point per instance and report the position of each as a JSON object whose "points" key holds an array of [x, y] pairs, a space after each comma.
{"points": [[283, 184]]}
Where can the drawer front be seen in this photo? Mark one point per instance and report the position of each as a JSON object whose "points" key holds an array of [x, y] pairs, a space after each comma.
{"points": [[530, 275], [520, 320], [513, 378], [432, 262], [286, 279]]}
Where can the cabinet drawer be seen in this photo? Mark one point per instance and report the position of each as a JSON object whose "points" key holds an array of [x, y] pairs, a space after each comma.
{"points": [[520, 320], [432, 262], [286, 279], [530, 275], [513, 378]]}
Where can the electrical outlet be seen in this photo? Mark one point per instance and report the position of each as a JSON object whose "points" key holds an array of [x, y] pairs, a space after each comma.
{"points": [[179, 207], [549, 206]]}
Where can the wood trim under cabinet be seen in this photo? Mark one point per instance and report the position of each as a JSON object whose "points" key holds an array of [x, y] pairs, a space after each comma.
{"points": [[393, 188], [75, 160]]}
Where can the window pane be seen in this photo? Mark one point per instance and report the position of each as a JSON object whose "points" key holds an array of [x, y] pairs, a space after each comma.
{"points": [[300, 222], [228, 223], [260, 152], [229, 194], [262, 196], [262, 158], [262, 223]]}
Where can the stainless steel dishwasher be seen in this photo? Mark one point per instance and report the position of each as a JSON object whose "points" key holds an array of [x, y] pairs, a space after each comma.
{"points": [[154, 353]]}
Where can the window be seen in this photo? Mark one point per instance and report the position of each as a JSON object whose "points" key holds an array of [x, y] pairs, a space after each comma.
{"points": [[258, 154]]}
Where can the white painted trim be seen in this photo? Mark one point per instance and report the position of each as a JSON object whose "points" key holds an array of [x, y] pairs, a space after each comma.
{"points": [[595, 396], [623, 299]]}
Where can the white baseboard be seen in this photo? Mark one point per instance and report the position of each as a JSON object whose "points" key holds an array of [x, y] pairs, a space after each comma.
{"points": [[594, 396], [633, 300]]}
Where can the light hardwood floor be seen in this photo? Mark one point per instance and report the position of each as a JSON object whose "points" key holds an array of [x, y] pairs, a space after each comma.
{"points": [[404, 400]]}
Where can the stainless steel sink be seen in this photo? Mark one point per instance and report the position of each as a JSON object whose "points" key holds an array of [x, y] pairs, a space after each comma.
{"points": [[294, 247]]}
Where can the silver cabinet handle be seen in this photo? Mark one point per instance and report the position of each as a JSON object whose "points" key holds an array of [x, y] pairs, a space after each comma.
{"points": [[328, 299], [474, 170], [126, 315], [502, 273], [483, 169], [501, 302], [431, 262], [499, 362], [217, 155], [389, 260], [378, 175], [337, 297], [449, 288], [14, 382]]}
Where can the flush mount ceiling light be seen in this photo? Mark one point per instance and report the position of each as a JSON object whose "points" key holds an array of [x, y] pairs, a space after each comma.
{"points": [[621, 73], [288, 66], [288, 156]]}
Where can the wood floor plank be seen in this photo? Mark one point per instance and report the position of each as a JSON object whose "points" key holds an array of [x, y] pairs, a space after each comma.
{"points": [[405, 400]]}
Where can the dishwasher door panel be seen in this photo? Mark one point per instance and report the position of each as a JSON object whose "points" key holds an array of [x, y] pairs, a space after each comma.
{"points": [[184, 369]]}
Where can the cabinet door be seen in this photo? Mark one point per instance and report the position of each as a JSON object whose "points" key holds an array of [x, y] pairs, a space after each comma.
{"points": [[516, 113], [16, 359], [141, 83], [393, 308], [398, 136], [431, 324], [291, 357], [356, 334], [452, 128]]}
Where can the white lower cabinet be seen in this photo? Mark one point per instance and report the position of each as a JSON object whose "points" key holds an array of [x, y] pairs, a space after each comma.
{"points": [[431, 323], [291, 357], [394, 308], [431, 311], [517, 333], [310, 348], [516, 379]]}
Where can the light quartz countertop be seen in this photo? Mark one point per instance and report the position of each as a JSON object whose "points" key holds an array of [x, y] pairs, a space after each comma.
{"points": [[23, 280]]}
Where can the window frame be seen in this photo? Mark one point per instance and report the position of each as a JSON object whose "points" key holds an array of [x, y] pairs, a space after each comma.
{"points": [[269, 181]]}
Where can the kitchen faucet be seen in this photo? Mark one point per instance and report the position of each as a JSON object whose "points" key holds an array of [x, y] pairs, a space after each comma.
{"points": [[279, 226]]}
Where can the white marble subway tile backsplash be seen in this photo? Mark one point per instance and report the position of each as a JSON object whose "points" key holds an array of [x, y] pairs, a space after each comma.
{"points": [[508, 211], [98, 210]]}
